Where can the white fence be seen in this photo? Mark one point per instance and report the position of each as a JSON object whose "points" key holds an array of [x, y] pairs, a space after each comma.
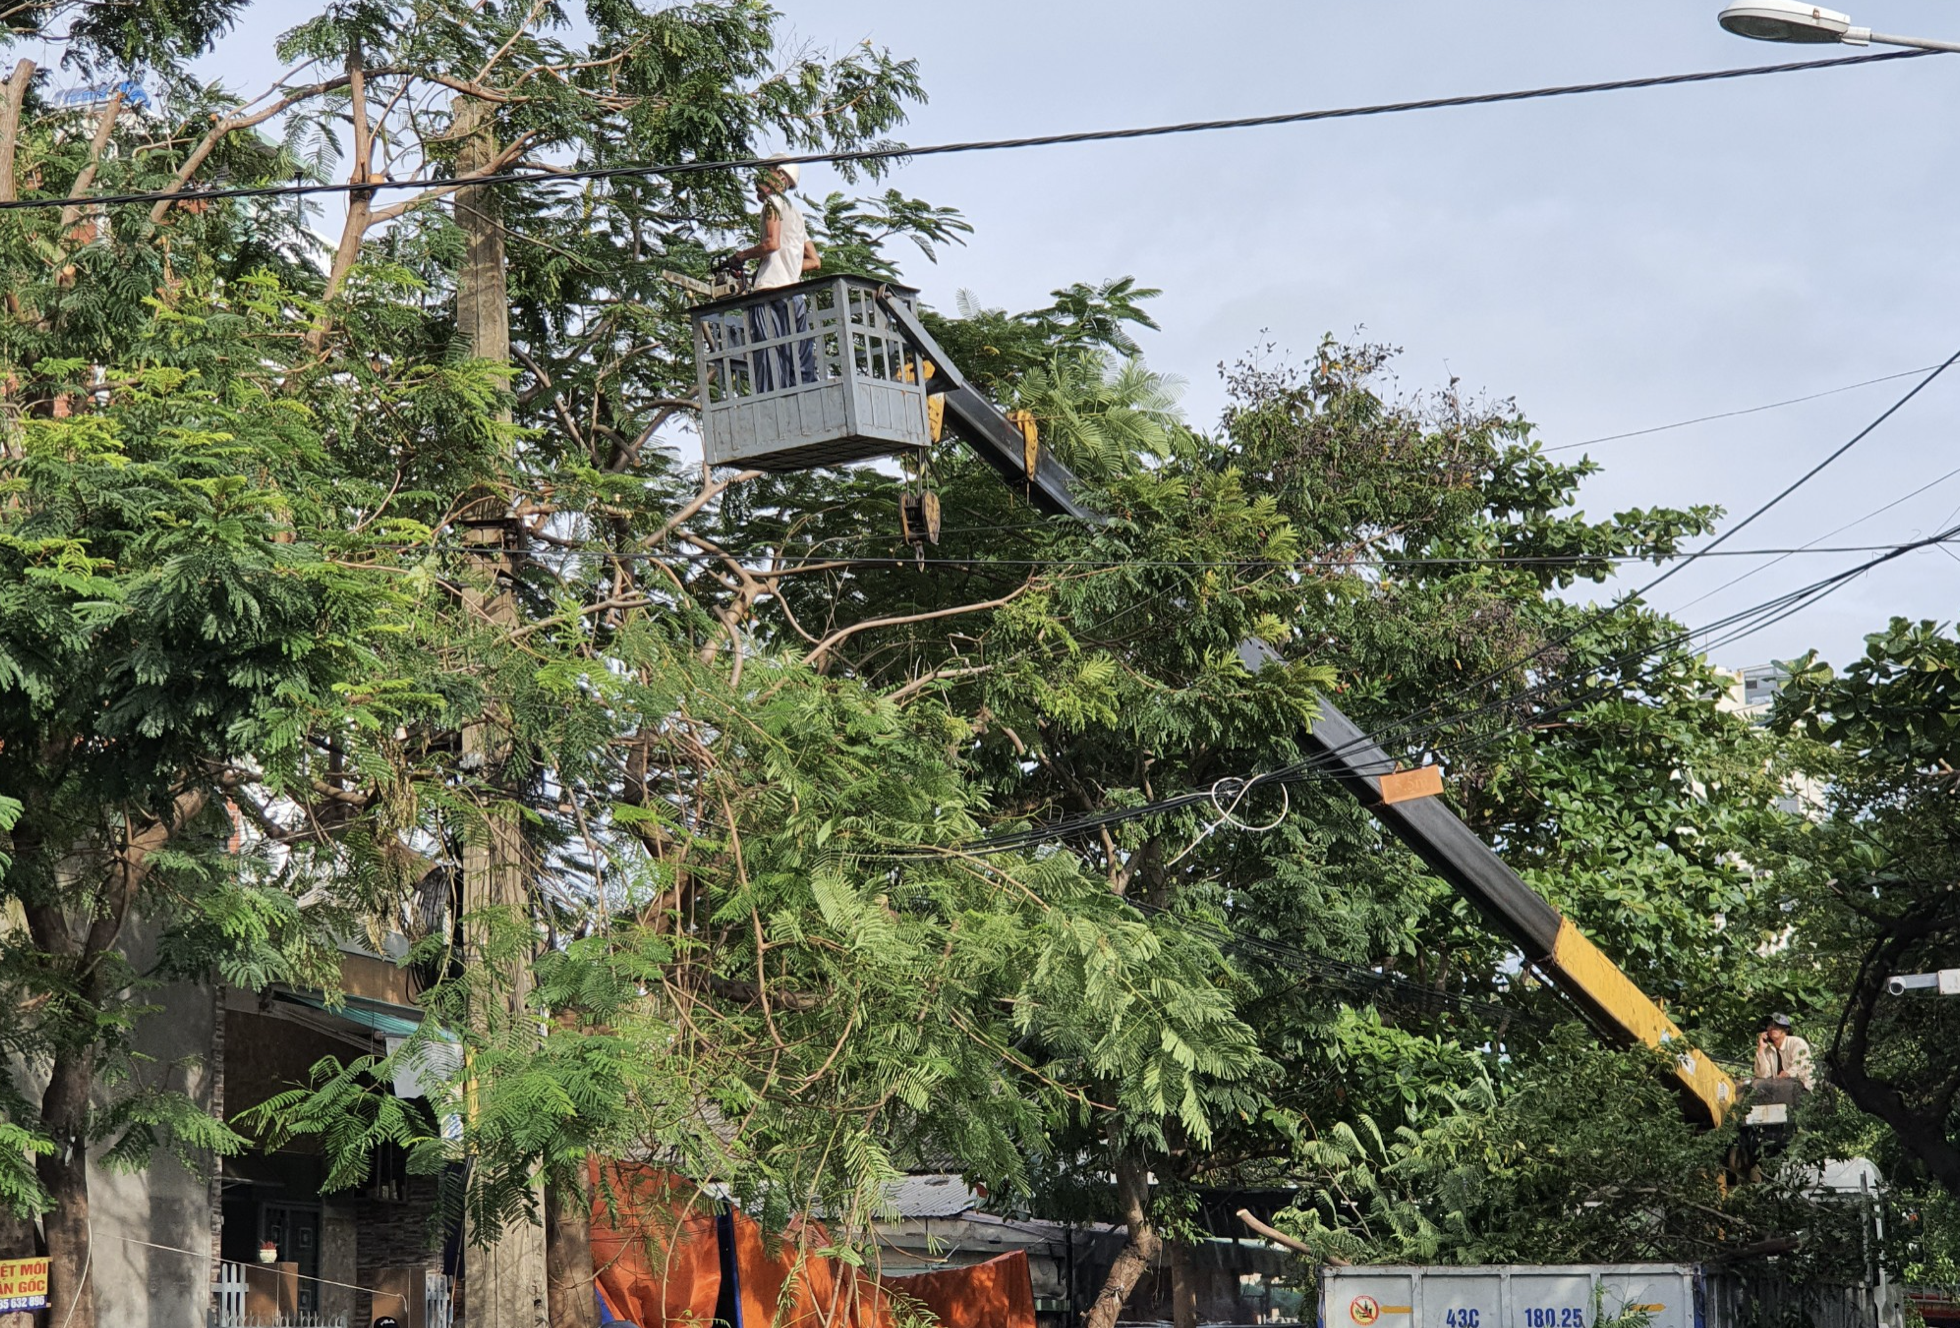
{"points": [[439, 1302], [228, 1307]]}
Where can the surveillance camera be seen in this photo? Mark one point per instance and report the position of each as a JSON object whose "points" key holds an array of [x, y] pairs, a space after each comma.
{"points": [[1895, 986]]}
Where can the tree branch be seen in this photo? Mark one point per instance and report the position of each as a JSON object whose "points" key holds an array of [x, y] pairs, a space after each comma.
{"points": [[843, 634], [918, 685], [97, 146], [231, 125], [1281, 1238]]}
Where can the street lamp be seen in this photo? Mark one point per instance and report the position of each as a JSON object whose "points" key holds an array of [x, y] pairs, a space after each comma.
{"points": [[1792, 21]]}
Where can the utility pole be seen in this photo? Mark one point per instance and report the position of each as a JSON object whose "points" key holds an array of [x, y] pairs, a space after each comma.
{"points": [[505, 1282]]}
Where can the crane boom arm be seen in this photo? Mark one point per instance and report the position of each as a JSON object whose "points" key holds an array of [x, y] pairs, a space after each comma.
{"points": [[1548, 940], [1045, 482]]}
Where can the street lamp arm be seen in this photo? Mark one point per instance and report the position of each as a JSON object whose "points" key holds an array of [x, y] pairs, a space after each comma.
{"points": [[1860, 36]]}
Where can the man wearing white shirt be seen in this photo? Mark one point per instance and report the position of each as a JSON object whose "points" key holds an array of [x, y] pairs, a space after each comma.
{"points": [[786, 254]]}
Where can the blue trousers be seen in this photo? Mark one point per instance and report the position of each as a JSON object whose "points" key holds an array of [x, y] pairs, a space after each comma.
{"points": [[779, 318]]}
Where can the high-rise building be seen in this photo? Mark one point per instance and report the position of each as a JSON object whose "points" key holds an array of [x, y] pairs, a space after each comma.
{"points": [[1752, 689], [1751, 692]]}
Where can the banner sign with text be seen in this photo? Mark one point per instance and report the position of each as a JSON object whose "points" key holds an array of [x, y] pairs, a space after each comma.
{"points": [[23, 1285]]}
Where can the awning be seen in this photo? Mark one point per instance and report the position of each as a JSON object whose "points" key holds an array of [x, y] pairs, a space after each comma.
{"points": [[389, 1020]]}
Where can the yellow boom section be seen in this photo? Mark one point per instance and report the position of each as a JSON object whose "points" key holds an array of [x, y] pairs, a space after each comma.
{"points": [[1581, 969]]}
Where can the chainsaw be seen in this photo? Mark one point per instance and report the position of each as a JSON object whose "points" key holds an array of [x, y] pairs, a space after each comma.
{"points": [[729, 276]]}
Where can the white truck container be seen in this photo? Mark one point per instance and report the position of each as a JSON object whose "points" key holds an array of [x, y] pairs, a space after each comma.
{"points": [[1659, 1295]]}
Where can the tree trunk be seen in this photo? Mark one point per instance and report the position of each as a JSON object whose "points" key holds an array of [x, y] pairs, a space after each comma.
{"points": [[1920, 1121], [1184, 1285], [12, 93], [1139, 1251], [360, 202], [568, 1255], [482, 293], [64, 1175], [508, 1280], [1921, 1132]]}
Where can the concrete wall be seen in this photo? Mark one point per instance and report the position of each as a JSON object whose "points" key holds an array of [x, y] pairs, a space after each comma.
{"points": [[136, 1283], [339, 1261], [397, 1235]]}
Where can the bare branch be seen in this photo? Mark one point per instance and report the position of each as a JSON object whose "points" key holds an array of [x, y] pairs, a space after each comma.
{"points": [[843, 634], [231, 125], [710, 490], [918, 685], [97, 146]]}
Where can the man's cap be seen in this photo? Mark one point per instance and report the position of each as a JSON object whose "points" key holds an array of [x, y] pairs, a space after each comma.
{"points": [[1779, 1021], [793, 171]]}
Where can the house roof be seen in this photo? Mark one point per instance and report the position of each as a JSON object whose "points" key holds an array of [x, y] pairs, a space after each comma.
{"points": [[932, 1196]]}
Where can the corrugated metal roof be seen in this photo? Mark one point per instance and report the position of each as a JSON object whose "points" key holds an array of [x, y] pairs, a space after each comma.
{"points": [[931, 1196]]}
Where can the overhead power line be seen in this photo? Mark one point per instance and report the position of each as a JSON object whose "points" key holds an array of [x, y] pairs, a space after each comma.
{"points": [[1817, 544], [899, 153], [1810, 474], [1732, 414], [1639, 593], [848, 562]]}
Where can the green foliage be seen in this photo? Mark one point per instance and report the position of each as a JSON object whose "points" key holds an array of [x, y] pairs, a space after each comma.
{"points": [[851, 233], [21, 1192], [142, 1124], [183, 613], [738, 756], [1583, 1156], [348, 1110], [995, 349], [1101, 416], [158, 35], [1878, 894], [803, 1005], [1350, 529]]}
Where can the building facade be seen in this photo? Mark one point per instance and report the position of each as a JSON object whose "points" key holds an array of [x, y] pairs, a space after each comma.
{"points": [[256, 1238]]}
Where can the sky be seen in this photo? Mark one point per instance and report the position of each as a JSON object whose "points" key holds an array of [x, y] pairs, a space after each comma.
{"points": [[1612, 262]]}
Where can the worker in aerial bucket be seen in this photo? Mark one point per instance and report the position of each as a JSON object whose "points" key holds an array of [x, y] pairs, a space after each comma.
{"points": [[786, 254], [1783, 1070]]}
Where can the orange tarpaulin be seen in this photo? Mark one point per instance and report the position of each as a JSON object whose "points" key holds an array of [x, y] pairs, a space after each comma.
{"points": [[654, 1248], [786, 1284], [996, 1294], [658, 1256]]}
